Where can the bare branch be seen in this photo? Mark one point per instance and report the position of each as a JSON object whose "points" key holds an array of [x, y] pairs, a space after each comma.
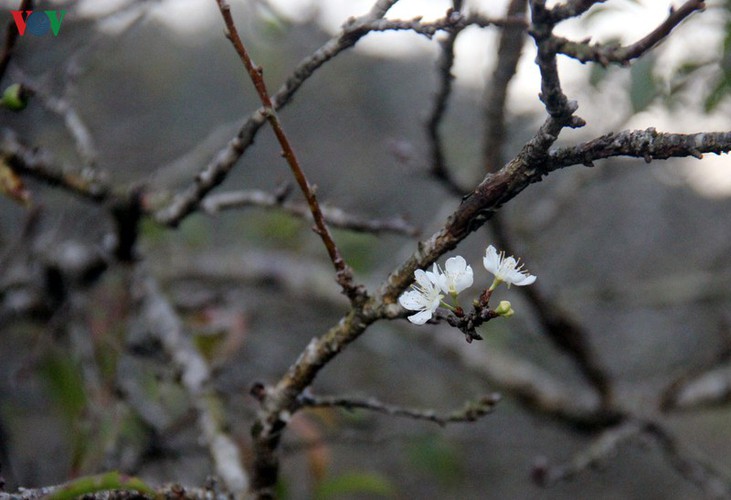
{"points": [[606, 54], [600, 450], [648, 144], [218, 168], [512, 40], [472, 410], [712, 388], [334, 216], [39, 165], [705, 476], [530, 384], [344, 274], [446, 61], [164, 323]]}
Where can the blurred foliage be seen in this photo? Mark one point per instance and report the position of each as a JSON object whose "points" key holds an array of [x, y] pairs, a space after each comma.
{"points": [[196, 231], [723, 85], [437, 457], [63, 379], [61, 374], [643, 84], [276, 229], [369, 484], [152, 232], [358, 249]]}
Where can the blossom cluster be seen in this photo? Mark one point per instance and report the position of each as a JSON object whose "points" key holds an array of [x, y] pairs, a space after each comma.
{"points": [[431, 286]]}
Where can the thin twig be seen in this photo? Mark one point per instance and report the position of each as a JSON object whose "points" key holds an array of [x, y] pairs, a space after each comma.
{"points": [[512, 40], [599, 450], [39, 165], [606, 54], [344, 273], [439, 167], [334, 216], [697, 470], [214, 173], [472, 410], [530, 384]]}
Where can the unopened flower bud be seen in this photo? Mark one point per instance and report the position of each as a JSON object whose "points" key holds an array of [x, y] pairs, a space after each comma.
{"points": [[504, 309]]}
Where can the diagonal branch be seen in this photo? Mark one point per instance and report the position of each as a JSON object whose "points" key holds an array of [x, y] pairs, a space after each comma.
{"points": [[697, 470], [344, 273], [161, 319], [606, 54], [600, 450], [216, 171], [218, 168]]}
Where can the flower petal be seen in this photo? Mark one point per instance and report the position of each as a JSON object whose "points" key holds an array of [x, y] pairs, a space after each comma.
{"points": [[421, 317], [412, 300], [491, 261], [455, 265], [525, 280], [422, 278]]}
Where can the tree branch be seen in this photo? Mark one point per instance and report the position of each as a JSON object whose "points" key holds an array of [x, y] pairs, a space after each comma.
{"points": [[36, 163], [334, 216], [218, 168], [472, 410], [344, 274], [606, 54], [446, 61], [648, 144], [162, 321]]}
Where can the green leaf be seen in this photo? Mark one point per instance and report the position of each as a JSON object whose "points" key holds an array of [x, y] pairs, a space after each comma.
{"points": [[369, 483]]}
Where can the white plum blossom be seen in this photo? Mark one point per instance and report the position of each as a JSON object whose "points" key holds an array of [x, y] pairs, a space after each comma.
{"points": [[506, 269], [457, 276], [423, 297]]}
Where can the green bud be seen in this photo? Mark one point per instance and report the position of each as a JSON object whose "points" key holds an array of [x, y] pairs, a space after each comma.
{"points": [[15, 97], [504, 309]]}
